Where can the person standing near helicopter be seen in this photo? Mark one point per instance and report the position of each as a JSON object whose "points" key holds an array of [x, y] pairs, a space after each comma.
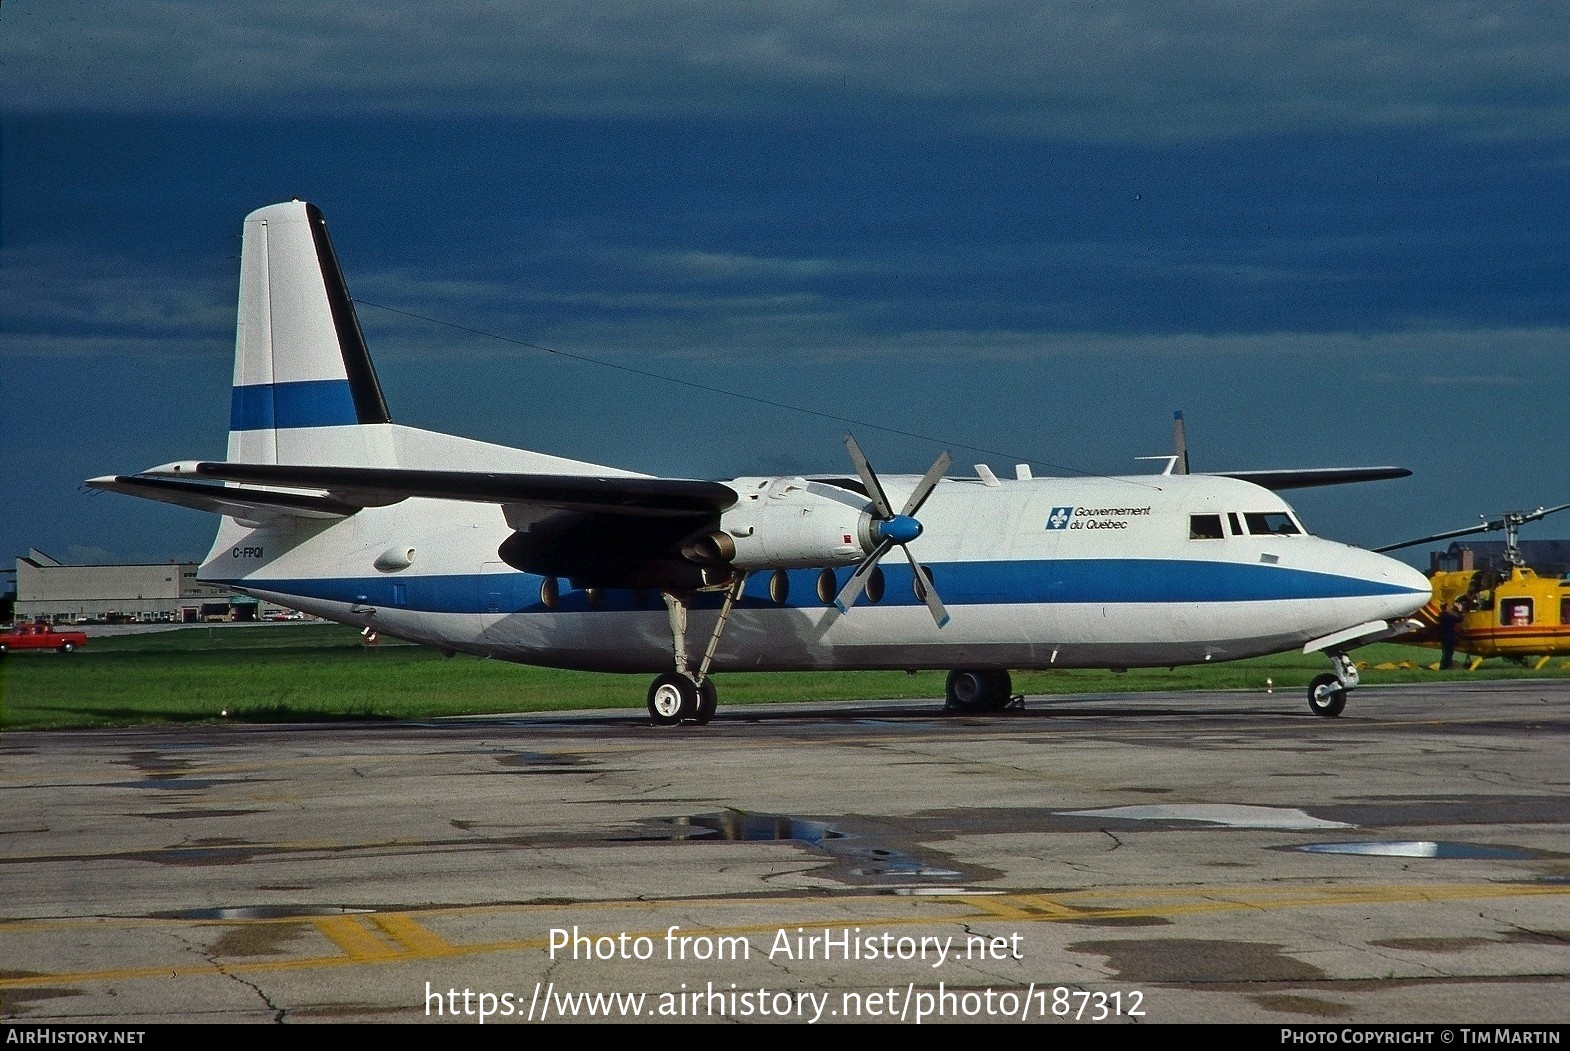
{"points": [[1449, 623]]}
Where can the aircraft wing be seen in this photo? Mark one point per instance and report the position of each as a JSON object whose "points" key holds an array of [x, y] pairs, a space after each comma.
{"points": [[609, 531], [1307, 478], [1314, 476], [347, 489], [257, 505]]}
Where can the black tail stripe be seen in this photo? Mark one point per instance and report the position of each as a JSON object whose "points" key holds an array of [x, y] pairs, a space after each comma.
{"points": [[369, 405]]}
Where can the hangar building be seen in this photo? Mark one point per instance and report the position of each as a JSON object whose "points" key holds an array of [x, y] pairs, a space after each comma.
{"points": [[48, 589]]}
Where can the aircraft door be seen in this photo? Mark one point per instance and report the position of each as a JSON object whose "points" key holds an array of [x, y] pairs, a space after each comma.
{"points": [[492, 587]]}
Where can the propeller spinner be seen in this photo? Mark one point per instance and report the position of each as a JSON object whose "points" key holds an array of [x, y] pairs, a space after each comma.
{"points": [[890, 530]]}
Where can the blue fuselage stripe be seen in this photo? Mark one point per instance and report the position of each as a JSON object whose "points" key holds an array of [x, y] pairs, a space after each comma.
{"points": [[308, 403], [1060, 581]]}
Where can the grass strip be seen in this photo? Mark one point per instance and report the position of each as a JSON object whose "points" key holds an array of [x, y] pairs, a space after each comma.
{"points": [[323, 672]]}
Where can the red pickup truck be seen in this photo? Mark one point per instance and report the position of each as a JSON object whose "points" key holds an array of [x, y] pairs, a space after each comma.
{"points": [[40, 637]]}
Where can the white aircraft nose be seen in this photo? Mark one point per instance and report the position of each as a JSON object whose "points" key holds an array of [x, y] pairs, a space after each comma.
{"points": [[1411, 590]]}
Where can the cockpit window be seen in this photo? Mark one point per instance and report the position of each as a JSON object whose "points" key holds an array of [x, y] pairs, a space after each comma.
{"points": [[1275, 523], [1204, 527]]}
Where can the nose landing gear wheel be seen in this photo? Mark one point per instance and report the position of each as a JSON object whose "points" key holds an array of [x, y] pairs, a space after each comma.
{"points": [[1326, 696], [673, 698]]}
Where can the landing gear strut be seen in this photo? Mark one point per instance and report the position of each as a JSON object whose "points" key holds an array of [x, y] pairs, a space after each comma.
{"points": [[685, 695], [1327, 693]]}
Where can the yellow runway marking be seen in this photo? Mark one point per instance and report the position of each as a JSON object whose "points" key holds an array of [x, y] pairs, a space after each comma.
{"points": [[357, 941], [412, 936], [399, 937]]}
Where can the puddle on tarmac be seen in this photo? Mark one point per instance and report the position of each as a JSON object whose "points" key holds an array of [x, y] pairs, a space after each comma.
{"points": [[752, 828], [857, 859], [1422, 848], [880, 862], [1215, 814], [541, 762], [263, 912]]}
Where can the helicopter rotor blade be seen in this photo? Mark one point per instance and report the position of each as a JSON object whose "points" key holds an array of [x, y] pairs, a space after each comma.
{"points": [[1487, 527], [1541, 512], [1512, 517]]}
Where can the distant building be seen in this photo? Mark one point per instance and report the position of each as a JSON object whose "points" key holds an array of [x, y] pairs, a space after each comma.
{"points": [[48, 589], [1548, 558]]}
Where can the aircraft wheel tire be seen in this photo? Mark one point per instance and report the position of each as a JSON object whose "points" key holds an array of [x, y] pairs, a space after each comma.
{"points": [[978, 690], [1326, 696], [672, 698], [708, 701]]}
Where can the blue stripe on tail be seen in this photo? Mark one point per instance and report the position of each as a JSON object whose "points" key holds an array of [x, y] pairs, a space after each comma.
{"points": [[310, 403]]}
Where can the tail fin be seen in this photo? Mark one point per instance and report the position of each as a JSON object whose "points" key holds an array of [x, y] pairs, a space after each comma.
{"points": [[1179, 444], [305, 391]]}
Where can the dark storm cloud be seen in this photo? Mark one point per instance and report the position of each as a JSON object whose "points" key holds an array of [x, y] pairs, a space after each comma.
{"points": [[1331, 232], [1119, 69]]}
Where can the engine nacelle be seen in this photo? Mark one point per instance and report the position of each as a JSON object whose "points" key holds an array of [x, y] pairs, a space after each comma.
{"points": [[786, 523]]}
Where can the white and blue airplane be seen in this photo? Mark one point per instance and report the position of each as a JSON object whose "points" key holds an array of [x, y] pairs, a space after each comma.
{"points": [[331, 508]]}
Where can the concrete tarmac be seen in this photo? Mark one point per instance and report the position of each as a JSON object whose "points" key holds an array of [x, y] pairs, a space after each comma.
{"points": [[1179, 857]]}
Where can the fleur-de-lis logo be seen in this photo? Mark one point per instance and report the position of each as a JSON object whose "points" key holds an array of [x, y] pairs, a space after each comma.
{"points": [[1059, 517]]}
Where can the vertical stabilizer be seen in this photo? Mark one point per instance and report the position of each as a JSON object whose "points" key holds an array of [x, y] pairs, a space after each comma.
{"points": [[305, 391]]}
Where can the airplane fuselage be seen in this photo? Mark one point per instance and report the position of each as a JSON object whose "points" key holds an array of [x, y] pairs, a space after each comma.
{"points": [[330, 507], [1037, 573]]}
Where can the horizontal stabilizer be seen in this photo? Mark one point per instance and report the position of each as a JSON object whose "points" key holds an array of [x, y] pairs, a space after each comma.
{"points": [[377, 486], [1315, 476], [250, 504]]}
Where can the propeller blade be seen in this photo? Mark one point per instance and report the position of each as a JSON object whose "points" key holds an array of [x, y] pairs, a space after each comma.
{"points": [[858, 580], [880, 500], [903, 526], [929, 482], [924, 588]]}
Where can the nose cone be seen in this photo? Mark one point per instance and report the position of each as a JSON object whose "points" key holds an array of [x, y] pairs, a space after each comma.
{"points": [[1401, 590], [901, 529]]}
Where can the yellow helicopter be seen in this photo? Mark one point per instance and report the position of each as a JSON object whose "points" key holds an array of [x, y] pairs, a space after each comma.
{"points": [[1508, 612]]}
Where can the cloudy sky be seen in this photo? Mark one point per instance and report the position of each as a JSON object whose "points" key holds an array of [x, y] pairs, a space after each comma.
{"points": [[1332, 233]]}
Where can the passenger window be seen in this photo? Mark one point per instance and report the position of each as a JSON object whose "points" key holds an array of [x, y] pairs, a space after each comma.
{"points": [[1564, 611], [1515, 612], [1204, 527], [1277, 523]]}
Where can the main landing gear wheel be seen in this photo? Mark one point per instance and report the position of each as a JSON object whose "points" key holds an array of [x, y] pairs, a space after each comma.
{"points": [[1326, 696], [978, 690], [708, 700], [673, 698]]}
